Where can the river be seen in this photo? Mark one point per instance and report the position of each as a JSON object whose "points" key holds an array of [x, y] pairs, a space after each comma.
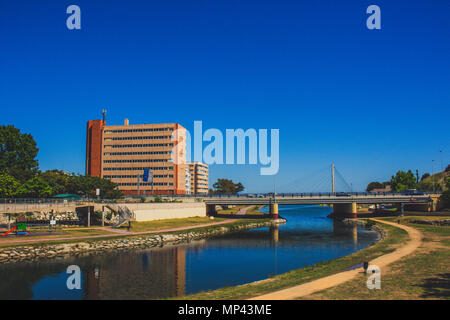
{"points": [[174, 270]]}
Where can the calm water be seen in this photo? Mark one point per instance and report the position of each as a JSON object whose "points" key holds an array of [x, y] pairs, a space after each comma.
{"points": [[307, 238]]}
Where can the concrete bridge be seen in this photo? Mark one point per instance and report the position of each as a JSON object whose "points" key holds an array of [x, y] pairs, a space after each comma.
{"points": [[343, 205]]}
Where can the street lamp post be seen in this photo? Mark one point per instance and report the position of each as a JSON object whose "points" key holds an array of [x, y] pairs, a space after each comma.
{"points": [[274, 188], [432, 174]]}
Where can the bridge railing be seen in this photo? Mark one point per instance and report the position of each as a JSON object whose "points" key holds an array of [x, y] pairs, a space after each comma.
{"points": [[318, 194], [71, 202], [42, 202]]}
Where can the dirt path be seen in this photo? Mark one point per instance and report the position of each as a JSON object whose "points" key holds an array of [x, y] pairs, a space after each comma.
{"points": [[339, 278], [244, 210], [116, 233]]}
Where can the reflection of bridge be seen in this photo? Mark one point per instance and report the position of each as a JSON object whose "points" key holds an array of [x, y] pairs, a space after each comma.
{"points": [[344, 205]]}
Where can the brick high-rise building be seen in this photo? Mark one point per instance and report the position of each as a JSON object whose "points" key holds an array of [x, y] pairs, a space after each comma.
{"points": [[121, 153], [94, 134]]}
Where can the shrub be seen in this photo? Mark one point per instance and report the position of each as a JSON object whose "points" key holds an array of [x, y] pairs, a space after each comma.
{"points": [[370, 224]]}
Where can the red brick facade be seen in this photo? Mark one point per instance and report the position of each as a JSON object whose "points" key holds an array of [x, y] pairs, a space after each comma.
{"points": [[94, 137], [121, 152]]}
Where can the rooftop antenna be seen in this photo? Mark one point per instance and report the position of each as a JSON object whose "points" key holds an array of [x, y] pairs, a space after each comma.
{"points": [[104, 115]]}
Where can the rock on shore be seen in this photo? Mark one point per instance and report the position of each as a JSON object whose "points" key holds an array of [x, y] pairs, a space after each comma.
{"points": [[33, 253]]}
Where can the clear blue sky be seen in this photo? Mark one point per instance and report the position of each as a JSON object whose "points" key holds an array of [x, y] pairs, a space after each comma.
{"points": [[371, 101]]}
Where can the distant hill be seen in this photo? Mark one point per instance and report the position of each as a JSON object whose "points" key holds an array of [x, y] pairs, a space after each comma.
{"points": [[436, 178]]}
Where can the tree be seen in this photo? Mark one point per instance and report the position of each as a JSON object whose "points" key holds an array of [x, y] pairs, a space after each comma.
{"points": [[226, 186], [386, 184], [18, 153], [57, 180], [446, 193], [374, 185], [424, 176], [403, 181], [424, 186], [87, 185], [447, 169], [9, 186], [36, 187]]}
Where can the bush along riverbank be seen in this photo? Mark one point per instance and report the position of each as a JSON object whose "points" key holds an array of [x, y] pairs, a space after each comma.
{"points": [[390, 238], [46, 251]]}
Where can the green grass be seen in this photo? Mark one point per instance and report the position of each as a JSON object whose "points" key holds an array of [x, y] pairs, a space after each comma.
{"points": [[253, 210], [79, 232], [424, 276], [426, 228], [169, 223], [395, 237], [437, 230], [446, 243], [233, 210], [256, 210], [136, 226], [54, 242], [232, 226], [421, 275]]}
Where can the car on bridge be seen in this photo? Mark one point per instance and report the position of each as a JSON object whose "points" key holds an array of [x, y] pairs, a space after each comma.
{"points": [[412, 192], [342, 194]]}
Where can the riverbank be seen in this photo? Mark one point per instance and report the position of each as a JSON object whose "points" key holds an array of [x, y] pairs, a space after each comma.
{"points": [[40, 236], [415, 239], [422, 275], [122, 241], [61, 234], [394, 237], [242, 212]]}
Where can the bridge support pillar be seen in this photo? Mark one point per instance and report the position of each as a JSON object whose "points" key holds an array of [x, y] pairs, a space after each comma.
{"points": [[273, 209], [211, 210], [437, 202], [344, 210]]}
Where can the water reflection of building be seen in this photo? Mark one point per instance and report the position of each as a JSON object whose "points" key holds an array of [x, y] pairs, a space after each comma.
{"points": [[153, 273]]}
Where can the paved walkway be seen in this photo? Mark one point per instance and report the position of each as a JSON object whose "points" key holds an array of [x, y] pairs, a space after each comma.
{"points": [[244, 210], [116, 233], [339, 278]]}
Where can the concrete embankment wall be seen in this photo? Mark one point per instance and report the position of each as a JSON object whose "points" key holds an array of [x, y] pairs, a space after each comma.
{"points": [[157, 211]]}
